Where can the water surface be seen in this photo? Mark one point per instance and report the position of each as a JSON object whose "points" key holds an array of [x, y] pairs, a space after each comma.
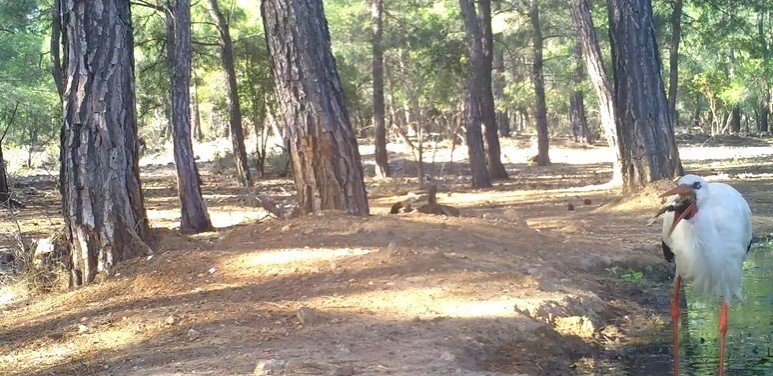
{"points": [[748, 350]]}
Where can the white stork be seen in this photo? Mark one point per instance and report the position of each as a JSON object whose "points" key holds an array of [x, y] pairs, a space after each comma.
{"points": [[707, 232]]}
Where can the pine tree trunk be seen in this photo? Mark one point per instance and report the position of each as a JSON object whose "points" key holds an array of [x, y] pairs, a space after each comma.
{"points": [[193, 211], [104, 213], [488, 109], [600, 82], [234, 109], [673, 60], [735, 120], [323, 148], [763, 118], [540, 109], [379, 125], [576, 102], [473, 95], [649, 148]]}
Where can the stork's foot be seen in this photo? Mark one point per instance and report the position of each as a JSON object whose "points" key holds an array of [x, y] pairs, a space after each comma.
{"points": [[675, 323]]}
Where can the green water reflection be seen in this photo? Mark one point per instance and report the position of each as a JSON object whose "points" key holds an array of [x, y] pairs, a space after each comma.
{"points": [[750, 324]]}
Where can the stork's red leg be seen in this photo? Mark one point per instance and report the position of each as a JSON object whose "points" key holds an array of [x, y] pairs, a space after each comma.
{"points": [[722, 326], [675, 322]]}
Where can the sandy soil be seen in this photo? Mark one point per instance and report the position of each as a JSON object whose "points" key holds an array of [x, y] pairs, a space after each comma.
{"points": [[518, 284]]}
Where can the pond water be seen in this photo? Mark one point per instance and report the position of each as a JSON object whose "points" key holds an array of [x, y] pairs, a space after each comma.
{"points": [[749, 339]]}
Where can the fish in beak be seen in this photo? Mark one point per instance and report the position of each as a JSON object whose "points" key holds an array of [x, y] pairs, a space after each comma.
{"points": [[685, 205]]}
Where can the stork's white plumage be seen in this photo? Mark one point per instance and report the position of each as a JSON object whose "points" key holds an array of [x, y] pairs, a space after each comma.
{"points": [[707, 233]]}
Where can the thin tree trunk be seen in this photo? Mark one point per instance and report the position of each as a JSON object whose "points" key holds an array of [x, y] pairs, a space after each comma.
{"points": [[649, 148], [323, 148], [55, 48], [765, 107], [5, 190], [198, 134], [379, 126], [193, 211], [498, 87], [543, 158], [576, 103], [673, 75], [601, 85], [104, 213], [234, 109], [488, 109], [473, 95]]}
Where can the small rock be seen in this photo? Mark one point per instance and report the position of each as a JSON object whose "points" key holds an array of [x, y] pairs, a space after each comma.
{"points": [[306, 316], [270, 367], [193, 334], [392, 245], [287, 227], [570, 207], [212, 270], [587, 201], [82, 329], [447, 356], [344, 371], [171, 320], [308, 231], [489, 216]]}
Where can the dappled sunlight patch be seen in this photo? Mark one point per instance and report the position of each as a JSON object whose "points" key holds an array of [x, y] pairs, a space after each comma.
{"points": [[288, 260], [53, 353], [410, 303], [231, 216]]}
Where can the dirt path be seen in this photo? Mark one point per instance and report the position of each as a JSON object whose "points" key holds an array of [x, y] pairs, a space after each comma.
{"points": [[518, 284]]}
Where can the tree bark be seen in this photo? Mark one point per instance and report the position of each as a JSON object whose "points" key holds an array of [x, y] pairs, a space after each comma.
{"points": [[649, 147], [540, 109], [488, 109], [576, 103], [673, 61], [234, 109], [193, 211], [104, 213], [594, 63], [379, 113], [323, 148], [473, 94]]}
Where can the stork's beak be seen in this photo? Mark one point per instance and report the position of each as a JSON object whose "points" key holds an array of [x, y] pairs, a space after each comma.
{"points": [[681, 190]]}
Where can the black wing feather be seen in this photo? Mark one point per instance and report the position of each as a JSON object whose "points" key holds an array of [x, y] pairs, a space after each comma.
{"points": [[667, 254]]}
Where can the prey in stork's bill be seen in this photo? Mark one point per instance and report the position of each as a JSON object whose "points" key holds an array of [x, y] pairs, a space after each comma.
{"points": [[706, 233]]}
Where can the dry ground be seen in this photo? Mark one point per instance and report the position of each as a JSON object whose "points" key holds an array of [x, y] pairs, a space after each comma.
{"points": [[518, 284]]}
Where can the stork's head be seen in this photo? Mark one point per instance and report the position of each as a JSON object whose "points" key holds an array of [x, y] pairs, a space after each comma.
{"points": [[690, 194]]}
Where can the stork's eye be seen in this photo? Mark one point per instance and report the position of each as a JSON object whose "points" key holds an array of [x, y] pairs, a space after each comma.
{"points": [[696, 185]]}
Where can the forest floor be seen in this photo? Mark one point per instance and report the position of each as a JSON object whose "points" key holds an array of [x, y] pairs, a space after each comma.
{"points": [[519, 284]]}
